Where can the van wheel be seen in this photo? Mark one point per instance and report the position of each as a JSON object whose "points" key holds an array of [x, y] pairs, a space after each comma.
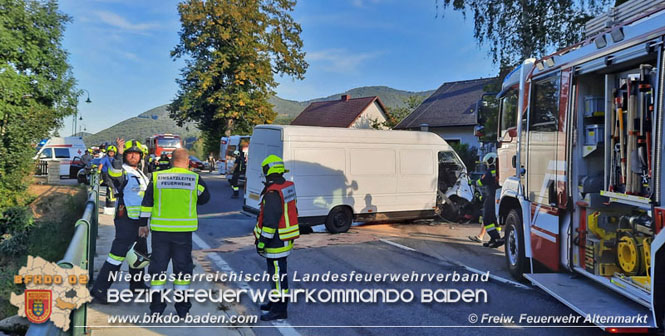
{"points": [[517, 262], [339, 220]]}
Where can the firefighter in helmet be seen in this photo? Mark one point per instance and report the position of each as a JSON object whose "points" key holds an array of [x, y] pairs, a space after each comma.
{"points": [[105, 163], [170, 205], [164, 162], [130, 185], [238, 169], [489, 184], [275, 231]]}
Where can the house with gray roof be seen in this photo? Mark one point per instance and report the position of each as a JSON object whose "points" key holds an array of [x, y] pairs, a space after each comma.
{"points": [[450, 111]]}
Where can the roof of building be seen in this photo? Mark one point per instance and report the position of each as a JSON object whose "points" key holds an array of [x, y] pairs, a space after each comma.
{"points": [[336, 113], [453, 104]]}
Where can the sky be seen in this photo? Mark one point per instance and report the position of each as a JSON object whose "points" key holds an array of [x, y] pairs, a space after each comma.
{"points": [[119, 52]]}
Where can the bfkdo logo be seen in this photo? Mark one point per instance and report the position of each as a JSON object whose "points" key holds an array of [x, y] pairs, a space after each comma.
{"points": [[38, 305]]}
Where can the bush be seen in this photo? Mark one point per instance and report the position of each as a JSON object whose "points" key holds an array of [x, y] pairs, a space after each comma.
{"points": [[15, 226], [22, 236]]}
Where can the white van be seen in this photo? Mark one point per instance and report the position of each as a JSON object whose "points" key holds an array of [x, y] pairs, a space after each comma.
{"points": [[228, 145], [343, 174], [63, 150]]}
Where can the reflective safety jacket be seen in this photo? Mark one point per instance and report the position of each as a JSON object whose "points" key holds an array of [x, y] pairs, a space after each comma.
{"points": [[171, 200], [130, 184], [279, 234], [488, 182]]}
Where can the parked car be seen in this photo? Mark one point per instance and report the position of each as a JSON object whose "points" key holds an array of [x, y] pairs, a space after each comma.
{"points": [[195, 163]]}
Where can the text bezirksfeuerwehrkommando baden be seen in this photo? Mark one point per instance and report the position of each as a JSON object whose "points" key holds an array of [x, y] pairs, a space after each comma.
{"points": [[328, 276]]}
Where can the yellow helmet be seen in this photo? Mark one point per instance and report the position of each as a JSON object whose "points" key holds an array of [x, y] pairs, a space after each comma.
{"points": [[133, 146], [112, 148], [273, 164], [136, 259]]}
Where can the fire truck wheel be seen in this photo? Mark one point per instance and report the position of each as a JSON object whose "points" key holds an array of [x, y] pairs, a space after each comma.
{"points": [[514, 237], [339, 219]]}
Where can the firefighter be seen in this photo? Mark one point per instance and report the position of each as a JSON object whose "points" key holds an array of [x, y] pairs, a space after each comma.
{"points": [[489, 184], [275, 231], [106, 162], [130, 184], [238, 169], [211, 162], [164, 162], [144, 162], [168, 204], [87, 158]]}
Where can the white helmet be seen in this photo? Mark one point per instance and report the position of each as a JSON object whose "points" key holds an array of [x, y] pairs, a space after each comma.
{"points": [[136, 259], [490, 159]]}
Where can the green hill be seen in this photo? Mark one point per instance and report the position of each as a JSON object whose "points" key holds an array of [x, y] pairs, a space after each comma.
{"points": [[144, 125], [157, 120], [390, 97], [287, 110]]}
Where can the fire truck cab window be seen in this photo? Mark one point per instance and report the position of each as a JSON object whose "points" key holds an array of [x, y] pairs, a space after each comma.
{"points": [[508, 111], [545, 107], [169, 142]]}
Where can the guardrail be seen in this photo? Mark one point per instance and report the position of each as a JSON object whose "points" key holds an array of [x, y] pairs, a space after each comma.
{"points": [[80, 252]]}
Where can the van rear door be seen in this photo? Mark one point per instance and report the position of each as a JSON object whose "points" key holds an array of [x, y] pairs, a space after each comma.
{"points": [[265, 141]]}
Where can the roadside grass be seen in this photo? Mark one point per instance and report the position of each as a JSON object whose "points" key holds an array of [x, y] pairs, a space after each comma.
{"points": [[48, 238]]}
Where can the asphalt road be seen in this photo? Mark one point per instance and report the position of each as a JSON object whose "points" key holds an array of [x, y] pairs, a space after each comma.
{"points": [[377, 249]]}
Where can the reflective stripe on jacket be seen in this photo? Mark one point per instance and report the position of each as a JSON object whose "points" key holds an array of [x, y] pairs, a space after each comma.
{"points": [[287, 229], [133, 190], [175, 193]]}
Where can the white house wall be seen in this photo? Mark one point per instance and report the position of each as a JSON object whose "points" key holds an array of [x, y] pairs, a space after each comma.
{"points": [[463, 133], [371, 113]]}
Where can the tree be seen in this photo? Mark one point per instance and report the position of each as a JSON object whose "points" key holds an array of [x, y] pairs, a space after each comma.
{"points": [[469, 155], [518, 29], [232, 50], [397, 114], [36, 87]]}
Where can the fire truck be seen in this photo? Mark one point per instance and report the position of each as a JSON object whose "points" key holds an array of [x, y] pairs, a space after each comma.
{"points": [[163, 143], [580, 146]]}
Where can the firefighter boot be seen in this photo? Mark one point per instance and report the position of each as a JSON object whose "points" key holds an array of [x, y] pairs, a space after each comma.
{"points": [[266, 306], [495, 236]]}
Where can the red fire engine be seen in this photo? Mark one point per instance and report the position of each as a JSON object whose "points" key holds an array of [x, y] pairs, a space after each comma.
{"points": [[581, 168], [163, 143]]}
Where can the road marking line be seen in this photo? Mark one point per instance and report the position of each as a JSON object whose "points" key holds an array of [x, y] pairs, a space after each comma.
{"points": [[495, 277], [457, 263], [397, 245], [283, 327]]}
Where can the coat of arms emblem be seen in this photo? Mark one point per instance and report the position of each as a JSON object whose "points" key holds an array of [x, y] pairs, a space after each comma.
{"points": [[38, 305]]}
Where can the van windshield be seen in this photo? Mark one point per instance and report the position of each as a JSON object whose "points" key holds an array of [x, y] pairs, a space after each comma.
{"points": [[46, 154], [450, 168], [449, 157]]}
